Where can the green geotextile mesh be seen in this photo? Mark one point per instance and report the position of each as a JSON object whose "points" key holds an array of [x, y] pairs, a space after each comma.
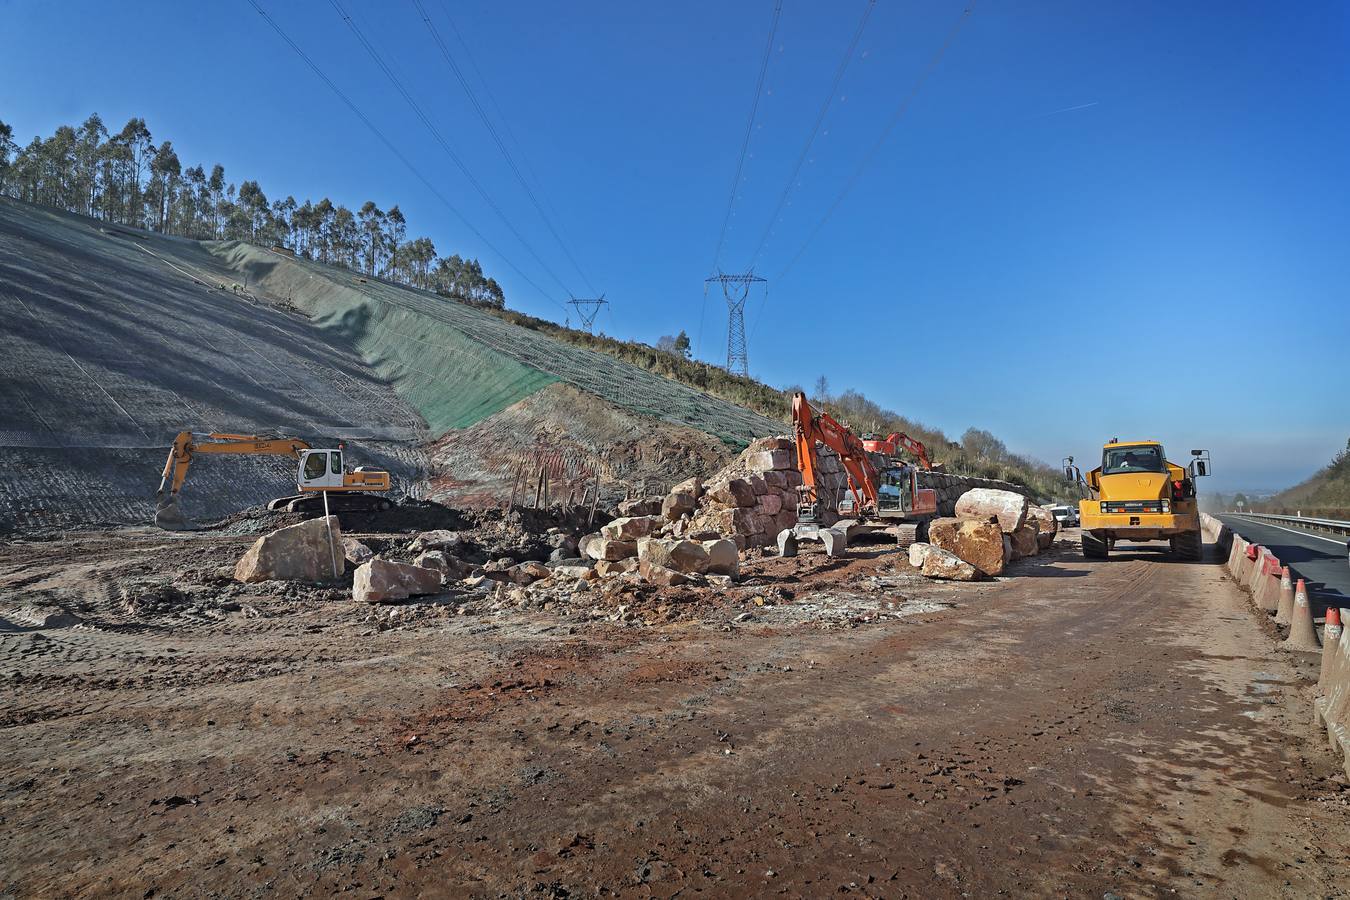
{"points": [[452, 380], [433, 348]]}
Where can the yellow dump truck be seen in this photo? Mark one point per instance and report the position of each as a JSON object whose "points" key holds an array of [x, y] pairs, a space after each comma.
{"points": [[1137, 495]]}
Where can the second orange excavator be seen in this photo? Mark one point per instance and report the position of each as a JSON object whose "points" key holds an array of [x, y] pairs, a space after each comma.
{"points": [[878, 496]]}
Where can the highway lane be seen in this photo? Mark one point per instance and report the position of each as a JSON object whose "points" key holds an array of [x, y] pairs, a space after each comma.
{"points": [[1318, 559]]}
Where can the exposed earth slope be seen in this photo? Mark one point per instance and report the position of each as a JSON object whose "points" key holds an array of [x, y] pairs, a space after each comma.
{"points": [[117, 339]]}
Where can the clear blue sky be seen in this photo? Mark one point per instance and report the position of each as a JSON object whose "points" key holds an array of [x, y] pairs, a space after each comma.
{"points": [[1095, 219]]}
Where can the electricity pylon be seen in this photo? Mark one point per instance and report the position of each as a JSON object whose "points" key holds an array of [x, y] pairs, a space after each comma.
{"points": [[588, 310], [736, 288]]}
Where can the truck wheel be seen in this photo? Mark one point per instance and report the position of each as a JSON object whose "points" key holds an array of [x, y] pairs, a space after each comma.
{"points": [[1094, 547], [1187, 546]]}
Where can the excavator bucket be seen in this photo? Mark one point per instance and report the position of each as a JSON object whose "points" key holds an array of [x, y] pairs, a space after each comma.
{"points": [[168, 516]]}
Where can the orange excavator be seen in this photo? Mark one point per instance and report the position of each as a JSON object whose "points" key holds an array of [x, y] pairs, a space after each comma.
{"points": [[877, 497]]}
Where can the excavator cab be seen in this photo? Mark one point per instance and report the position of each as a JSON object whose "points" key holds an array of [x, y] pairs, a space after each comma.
{"points": [[319, 469]]}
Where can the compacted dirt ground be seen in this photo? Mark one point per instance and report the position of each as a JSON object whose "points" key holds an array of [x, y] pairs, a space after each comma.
{"points": [[1112, 729]]}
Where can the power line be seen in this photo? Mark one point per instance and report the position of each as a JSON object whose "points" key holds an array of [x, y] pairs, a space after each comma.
{"points": [[749, 129], [398, 154], [899, 113], [435, 133], [496, 138], [740, 162], [815, 130]]}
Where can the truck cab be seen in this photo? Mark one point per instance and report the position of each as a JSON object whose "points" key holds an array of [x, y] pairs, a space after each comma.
{"points": [[1136, 494]]}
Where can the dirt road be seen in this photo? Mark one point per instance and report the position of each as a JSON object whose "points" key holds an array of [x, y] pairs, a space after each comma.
{"points": [[1079, 729]]}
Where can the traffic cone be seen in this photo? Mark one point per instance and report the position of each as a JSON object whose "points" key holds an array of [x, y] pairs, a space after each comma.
{"points": [[1285, 610], [1331, 637], [1302, 631]]}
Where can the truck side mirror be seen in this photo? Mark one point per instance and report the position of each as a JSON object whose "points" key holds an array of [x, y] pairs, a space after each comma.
{"points": [[1199, 469]]}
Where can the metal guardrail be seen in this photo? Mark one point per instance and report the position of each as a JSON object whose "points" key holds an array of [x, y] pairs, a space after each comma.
{"points": [[1330, 526]]}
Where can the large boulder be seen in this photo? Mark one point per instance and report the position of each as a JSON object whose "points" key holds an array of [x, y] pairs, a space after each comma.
{"points": [[654, 573], [606, 567], [769, 505], [310, 551], [723, 559], [680, 555], [630, 528], [983, 504], [606, 548], [735, 492], [769, 460], [691, 486], [451, 569], [938, 563], [641, 506], [356, 552], [380, 580], [440, 539], [529, 572], [978, 543], [678, 504], [1046, 526], [1024, 541]]}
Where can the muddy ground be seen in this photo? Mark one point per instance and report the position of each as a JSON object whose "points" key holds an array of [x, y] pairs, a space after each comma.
{"points": [[1121, 728]]}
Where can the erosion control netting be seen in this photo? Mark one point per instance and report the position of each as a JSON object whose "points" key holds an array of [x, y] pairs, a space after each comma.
{"points": [[407, 335], [115, 340]]}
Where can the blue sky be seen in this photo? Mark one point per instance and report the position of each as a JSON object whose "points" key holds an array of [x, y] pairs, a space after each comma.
{"points": [[1093, 220]]}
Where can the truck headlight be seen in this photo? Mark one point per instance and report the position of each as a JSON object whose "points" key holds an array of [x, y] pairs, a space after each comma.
{"points": [[1167, 506]]}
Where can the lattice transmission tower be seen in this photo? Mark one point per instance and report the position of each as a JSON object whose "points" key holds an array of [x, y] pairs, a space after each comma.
{"points": [[736, 289], [587, 310]]}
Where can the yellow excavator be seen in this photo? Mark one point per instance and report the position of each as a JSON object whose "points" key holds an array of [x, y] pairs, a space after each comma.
{"points": [[321, 481]]}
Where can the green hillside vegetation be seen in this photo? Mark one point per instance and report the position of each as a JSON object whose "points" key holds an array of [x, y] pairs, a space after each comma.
{"points": [[1326, 495], [977, 453]]}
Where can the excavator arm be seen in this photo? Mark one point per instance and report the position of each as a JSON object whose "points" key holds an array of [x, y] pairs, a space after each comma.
{"points": [[190, 443], [809, 427], [913, 446]]}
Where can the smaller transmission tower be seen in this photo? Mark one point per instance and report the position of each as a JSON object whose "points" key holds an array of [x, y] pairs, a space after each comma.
{"points": [[736, 288], [588, 310]]}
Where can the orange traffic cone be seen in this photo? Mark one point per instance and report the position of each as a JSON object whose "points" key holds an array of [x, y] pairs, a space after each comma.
{"points": [[1302, 631], [1285, 610], [1331, 636]]}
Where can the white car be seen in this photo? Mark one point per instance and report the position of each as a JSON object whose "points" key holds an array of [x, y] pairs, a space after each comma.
{"points": [[1065, 515]]}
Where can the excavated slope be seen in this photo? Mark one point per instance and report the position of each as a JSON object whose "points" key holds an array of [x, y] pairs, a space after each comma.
{"points": [[116, 339]]}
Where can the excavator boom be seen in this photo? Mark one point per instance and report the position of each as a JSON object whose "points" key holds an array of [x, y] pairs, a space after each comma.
{"points": [[320, 472], [809, 427], [899, 439]]}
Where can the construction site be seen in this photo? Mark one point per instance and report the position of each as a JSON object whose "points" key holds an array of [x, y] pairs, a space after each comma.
{"points": [[590, 631], [453, 545]]}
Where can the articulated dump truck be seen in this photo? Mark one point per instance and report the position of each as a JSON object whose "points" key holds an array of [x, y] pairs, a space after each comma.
{"points": [[1137, 495]]}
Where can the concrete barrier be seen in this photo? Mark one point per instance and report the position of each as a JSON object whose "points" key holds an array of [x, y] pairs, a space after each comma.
{"points": [[1267, 594], [1257, 571], [1331, 708], [1245, 563], [1235, 555]]}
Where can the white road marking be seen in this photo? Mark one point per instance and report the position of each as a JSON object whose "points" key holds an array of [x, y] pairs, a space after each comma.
{"points": [[1293, 531]]}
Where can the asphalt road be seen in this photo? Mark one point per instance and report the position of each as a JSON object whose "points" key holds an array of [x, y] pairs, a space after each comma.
{"points": [[1319, 560]]}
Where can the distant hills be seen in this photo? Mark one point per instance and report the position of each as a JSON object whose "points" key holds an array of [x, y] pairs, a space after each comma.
{"points": [[1325, 495]]}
